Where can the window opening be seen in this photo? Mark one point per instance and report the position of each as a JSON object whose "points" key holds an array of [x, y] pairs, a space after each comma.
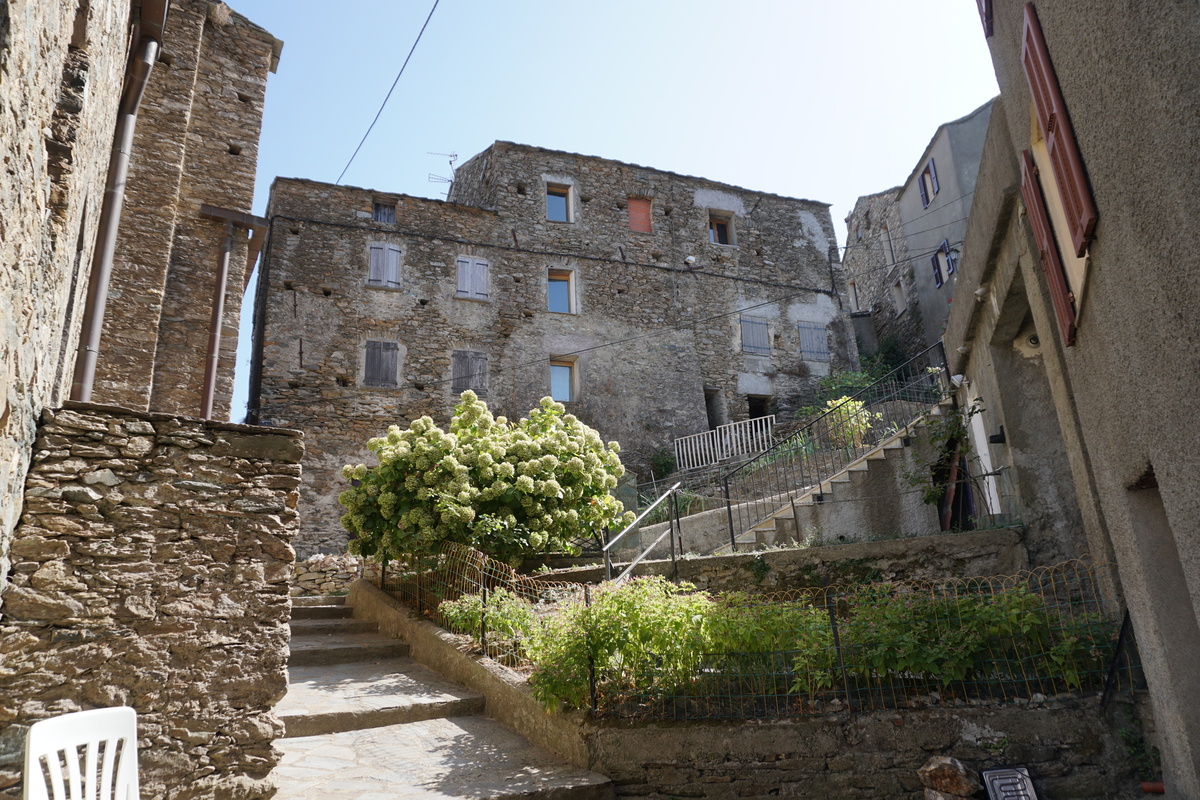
{"points": [[758, 406], [385, 212], [720, 229], [384, 270], [928, 184], [639, 215], [558, 205], [559, 292], [898, 298], [562, 380], [469, 370], [380, 364]]}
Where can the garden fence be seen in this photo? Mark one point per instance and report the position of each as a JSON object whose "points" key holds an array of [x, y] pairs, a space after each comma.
{"points": [[686, 655]]}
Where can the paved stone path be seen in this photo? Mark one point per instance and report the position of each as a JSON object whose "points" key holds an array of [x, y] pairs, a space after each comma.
{"points": [[365, 722]]}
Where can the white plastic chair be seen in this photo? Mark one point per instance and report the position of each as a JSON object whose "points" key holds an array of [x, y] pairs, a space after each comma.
{"points": [[88, 755]]}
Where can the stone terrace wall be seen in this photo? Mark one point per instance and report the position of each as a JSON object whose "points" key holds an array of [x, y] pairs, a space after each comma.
{"points": [[151, 569], [1069, 747]]}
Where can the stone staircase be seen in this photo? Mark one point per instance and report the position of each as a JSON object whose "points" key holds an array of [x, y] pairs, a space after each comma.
{"points": [[365, 722]]}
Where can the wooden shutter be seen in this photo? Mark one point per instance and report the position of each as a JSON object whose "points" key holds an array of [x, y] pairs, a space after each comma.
{"points": [[460, 371], [377, 268], [924, 194], [814, 341], [1043, 235], [479, 373], [464, 277], [380, 366], [937, 270], [479, 279], [933, 181], [754, 336], [1065, 160], [639, 215], [393, 265]]}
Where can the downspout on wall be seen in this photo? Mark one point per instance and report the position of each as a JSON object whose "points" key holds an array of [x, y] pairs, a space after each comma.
{"points": [[110, 220]]}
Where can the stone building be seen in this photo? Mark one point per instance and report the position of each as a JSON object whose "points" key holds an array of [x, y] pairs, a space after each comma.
{"points": [[655, 305], [904, 245], [144, 556], [1074, 313]]}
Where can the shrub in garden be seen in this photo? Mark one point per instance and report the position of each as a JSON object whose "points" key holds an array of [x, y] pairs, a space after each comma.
{"points": [[509, 489]]}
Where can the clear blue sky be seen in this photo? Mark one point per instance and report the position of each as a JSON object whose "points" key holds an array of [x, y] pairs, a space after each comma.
{"points": [[820, 99]]}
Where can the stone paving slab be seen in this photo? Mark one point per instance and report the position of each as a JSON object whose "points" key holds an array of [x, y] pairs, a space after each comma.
{"points": [[343, 697], [337, 648], [463, 757], [323, 627]]}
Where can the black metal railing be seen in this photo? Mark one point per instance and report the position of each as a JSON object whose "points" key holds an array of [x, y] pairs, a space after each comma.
{"points": [[758, 488]]}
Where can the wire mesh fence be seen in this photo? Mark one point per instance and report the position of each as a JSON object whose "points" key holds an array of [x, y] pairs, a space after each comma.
{"points": [[654, 650]]}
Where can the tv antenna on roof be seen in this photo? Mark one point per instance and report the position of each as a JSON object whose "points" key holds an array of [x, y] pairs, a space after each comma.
{"points": [[435, 178]]}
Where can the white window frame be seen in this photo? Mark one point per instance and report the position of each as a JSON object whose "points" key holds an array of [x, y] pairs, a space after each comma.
{"points": [[472, 279], [554, 274], [383, 265]]}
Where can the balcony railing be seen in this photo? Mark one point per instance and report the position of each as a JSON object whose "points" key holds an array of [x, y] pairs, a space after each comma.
{"points": [[725, 442]]}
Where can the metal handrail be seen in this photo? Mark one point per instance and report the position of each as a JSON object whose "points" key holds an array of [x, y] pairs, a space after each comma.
{"points": [[607, 547]]}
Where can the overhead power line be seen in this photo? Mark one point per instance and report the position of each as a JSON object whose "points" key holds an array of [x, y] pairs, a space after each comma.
{"points": [[389, 94]]}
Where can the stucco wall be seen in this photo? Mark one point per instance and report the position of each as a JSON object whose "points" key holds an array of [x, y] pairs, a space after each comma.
{"points": [[677, 324], [151, 569]]}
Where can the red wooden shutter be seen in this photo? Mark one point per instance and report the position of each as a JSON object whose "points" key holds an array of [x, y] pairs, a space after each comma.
{"points": [[1043, 235], [1051, 111], [639, 214]]}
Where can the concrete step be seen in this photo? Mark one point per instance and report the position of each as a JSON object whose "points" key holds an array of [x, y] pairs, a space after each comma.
{"points": [[316, 627], [437, 758], [322, 612], [333, 648], [319, 600], [333, 698]]}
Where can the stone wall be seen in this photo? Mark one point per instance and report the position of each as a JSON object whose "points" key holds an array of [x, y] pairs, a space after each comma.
{"points": [[151, 569], [61, 67], [196, 142], [680, 366], [1069, 746], [876, 259]]}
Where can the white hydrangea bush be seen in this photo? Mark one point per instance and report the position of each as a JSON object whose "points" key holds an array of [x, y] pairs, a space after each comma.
{"points": [[507, 488]]}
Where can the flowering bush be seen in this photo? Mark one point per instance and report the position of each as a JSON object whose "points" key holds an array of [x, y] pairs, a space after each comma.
{"points": [[849, 421], [506, 488]]}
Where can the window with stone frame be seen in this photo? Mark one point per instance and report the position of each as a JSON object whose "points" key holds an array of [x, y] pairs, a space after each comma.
{"points": [[472, 278], [469, 370], [558, 202], [720, 228], [383, 271], [560, 291], [563, 379], [384, 212], [381, 364]]}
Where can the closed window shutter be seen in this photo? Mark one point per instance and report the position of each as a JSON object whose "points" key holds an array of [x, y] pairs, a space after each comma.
{"points": [[937, 271], [933, 176], [380, 366], [754, 336], [924, 194], [1051, 111], [460, 369], [479, 376], [814, 341], [464, 277], [479, 279], [1043, 236], [375, 272], [393, 265], [639, 215]]}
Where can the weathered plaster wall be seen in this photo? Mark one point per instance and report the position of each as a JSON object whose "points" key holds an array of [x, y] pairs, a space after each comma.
{"points": [[61, 67], [1124, 393], [151, 569], [678, 324]]}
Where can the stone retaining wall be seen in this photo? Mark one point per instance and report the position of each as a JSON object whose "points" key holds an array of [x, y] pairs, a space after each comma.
{"points": [[151, 568]]}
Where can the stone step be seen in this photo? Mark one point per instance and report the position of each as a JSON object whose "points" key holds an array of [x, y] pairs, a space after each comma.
{"points": [[317, 627], [322, 612], [343, 697], [438, 758], [319, 600], [333, 648]]}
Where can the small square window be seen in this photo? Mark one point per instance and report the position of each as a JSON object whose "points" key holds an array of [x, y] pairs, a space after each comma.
{"points": [[472, 278], [720, 228], [558, 203], [385, 212], [560, 291], [469, 370], [814, 341], [381, 364], [755, 335], [562, 380], [384, 269], [639, 215]]}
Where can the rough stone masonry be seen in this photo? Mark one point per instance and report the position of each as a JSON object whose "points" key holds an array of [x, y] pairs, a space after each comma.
{"points": [[151, 568]]}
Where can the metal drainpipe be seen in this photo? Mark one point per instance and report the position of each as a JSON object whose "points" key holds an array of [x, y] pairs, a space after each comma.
{"points": [[110, 220], [214, 330]]}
